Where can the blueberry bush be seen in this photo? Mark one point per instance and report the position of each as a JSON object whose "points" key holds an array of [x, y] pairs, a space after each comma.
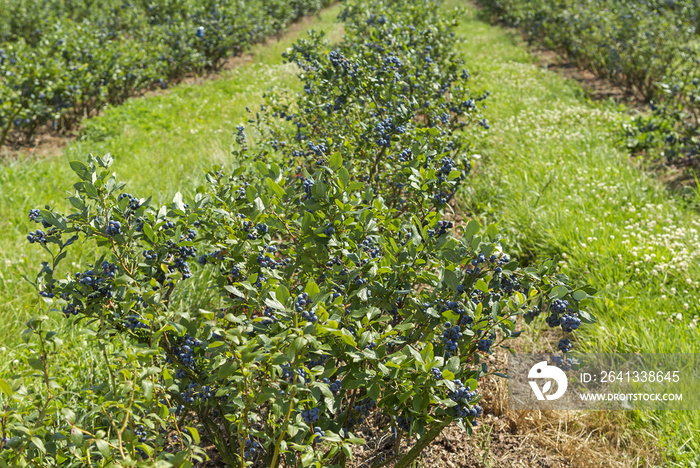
{"points": [[670, 131], [318, 286], [648, 48], [63, 61]]}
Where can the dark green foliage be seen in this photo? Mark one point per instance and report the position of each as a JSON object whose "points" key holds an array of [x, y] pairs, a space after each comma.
{"points": [[61, 61]]}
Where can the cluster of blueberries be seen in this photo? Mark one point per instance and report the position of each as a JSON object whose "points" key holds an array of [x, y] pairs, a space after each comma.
{"points": [[241, 139], [113, 228], [405, 155], [465, 412], [335, 387], [294, 375], [310, 416], [318, 150], [269, 315], [485, 344], [403, 423], [134, 203], [35, 215], [300, 303], [450, 337], [532, 313], [251, 448], [442, 227], [509, 284], [133, 323], [461, 392], [185, 353], [563, 363], [370, 247], [306, 186], [319, 434], [140, 432], [385, 129], [98, 284], [562, 316], [37, 236], [460, 395], [267, 261], [565, 345], [361, 411]]}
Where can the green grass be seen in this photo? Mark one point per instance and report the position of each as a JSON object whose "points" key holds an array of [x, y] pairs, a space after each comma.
{"points": [[161, 145], [553, 176]]}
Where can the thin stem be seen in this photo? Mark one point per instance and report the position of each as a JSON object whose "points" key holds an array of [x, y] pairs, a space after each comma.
{"points": [[109, 368]]}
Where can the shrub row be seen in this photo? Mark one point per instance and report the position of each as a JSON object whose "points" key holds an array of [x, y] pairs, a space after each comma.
{"points": [[649, 48], [63, 61], [310, 292]]}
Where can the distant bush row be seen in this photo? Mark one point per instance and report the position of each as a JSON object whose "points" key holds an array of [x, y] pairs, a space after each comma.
{"points": [[649, 48], [61, 61]]}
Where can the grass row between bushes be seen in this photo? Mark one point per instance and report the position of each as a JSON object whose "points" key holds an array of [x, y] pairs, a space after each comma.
{"points": [[613, 225]]}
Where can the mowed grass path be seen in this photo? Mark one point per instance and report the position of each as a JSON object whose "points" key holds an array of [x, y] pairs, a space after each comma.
{"points": [[554, 178], [161, 144]]}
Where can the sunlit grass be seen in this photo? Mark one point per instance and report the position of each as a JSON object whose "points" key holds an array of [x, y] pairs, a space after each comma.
{"points": [[553, 176]]}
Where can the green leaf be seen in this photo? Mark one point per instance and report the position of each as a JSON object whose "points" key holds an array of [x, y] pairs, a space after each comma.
{"points": [[312, 288], [282, 294], [451, 279], [471, 229], [558, 292], [335, 160], [147, 390], [195, 434], [307, 459], [492, 231], [5, 387], [39, 444], [148, 230], [259, 205], [102, 447], [453, 364], [344, 177], [177, 201], [579, 295], [274, 187], [586, 317], [81, 170], [76, 437]]}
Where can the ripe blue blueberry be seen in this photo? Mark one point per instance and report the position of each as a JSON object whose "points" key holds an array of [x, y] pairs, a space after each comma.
{"points": [[113, 228], [565, 345], [570, 322], [484, 345]]}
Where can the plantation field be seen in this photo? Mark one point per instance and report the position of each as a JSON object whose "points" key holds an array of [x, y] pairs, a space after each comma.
{"points": [[362, 194], [63, 61], [649, 49]]}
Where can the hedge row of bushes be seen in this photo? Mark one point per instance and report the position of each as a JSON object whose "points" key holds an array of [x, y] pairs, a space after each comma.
{"points": [[314, 290], [649, 48], [62, 61]]}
